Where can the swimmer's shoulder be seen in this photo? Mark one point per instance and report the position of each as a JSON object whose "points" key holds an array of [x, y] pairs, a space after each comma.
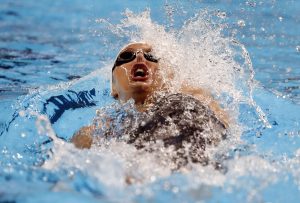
{"points": [[206, 98]]}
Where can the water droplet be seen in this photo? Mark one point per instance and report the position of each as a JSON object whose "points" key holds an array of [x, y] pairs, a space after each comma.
{"points": [[153, 178], [241, 23], [221, 14], [288, 70], [272, 37], [167, 185], [175, 189], [22, 113], [19, 156], [4, 151], [251, 3], [71, 173]]}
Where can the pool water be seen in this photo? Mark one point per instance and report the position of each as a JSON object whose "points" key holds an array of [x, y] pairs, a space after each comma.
{"points": [[55, 60]]}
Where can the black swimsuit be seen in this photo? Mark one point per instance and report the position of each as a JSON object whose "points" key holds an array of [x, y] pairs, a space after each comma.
{"points": [[174, 119]]}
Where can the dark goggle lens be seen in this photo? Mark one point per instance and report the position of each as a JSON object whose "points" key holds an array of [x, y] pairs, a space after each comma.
{"points": [[151, 57], [126, 56]]}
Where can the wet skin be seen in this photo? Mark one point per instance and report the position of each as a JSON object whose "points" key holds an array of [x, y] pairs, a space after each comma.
{"points": [[127, 84], [139, 79]]}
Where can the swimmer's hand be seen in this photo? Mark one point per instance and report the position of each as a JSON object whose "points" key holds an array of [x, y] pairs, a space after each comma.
{"points": [[83, 138]]}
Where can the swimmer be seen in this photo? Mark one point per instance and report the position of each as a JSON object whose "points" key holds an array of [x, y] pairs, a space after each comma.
{"points": [[190, 115]]}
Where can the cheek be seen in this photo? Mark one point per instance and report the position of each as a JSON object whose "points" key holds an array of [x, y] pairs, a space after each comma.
{"points": [[154, 68], [121, 78]]}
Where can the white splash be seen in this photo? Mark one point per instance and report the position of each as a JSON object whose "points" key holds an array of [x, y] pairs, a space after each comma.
{"points": [[201, 56]]}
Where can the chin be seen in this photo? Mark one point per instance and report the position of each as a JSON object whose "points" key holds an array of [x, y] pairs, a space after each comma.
{"points": [[141, 90], [147, 84]]}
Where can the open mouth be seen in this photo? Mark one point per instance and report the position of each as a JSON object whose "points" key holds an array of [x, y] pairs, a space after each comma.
{"points": [[139, 72]]}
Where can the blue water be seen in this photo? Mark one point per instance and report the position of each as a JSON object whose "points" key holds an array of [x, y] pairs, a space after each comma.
{"points": [[51, 58]]}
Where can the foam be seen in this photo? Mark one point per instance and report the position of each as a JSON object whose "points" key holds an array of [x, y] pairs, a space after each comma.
{"points": [[200, 54]]}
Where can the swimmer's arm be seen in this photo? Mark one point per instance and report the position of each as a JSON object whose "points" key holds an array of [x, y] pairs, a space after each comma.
{"points": [[83, 138], [205, 97]]}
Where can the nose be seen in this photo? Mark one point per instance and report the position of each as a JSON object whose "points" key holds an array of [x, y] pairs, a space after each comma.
{"points": [[140, 56]]}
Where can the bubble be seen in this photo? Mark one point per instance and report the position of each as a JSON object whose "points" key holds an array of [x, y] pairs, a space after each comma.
{"points": [[175, 190], [167, 185], [4, 151], [19, 156], [280, 18], [221, 14], [272, 37], [288, 69], [251, 3], [241, 23], [298, 48], [22, 113], [153, 178]]}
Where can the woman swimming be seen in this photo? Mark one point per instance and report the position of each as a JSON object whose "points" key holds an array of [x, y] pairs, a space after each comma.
{"points": [[187, 116]]}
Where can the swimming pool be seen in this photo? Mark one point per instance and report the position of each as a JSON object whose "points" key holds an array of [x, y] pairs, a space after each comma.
{"points": [[55, 61]]}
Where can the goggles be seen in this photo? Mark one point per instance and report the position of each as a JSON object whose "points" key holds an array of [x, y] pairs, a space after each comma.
{"points": [[128, 56]]}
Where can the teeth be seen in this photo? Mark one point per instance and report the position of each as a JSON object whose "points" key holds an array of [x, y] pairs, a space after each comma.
{"points": [[140, 70]]}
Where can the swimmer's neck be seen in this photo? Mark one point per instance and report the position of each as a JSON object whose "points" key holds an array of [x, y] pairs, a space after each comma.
{"points": [[143, 102], [144, 105]]}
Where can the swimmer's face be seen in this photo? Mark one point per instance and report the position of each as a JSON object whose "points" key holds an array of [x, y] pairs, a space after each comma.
{"points": [[136, 73]]}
